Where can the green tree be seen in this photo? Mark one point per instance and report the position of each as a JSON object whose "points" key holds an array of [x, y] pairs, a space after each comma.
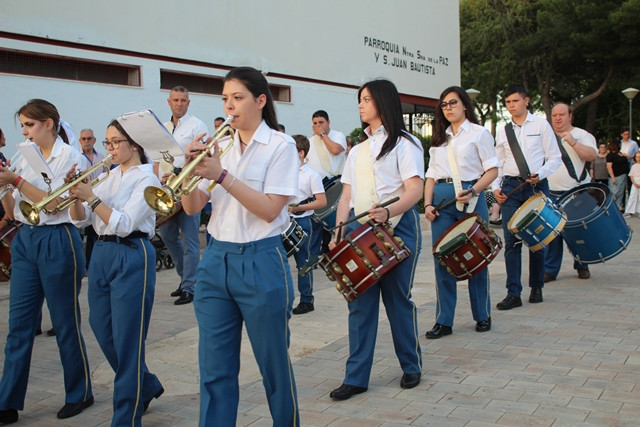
{"points": [[570, 50]]}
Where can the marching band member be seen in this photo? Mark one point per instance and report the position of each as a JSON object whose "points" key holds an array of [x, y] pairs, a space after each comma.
{"points": [[244, 274], [475, 159], [122, 273], [47, 263], [393, 159]]}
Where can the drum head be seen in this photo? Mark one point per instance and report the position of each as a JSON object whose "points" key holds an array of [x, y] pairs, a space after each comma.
{"points": [[333, 191], [527, 212], [583, 201], [452, 239]]}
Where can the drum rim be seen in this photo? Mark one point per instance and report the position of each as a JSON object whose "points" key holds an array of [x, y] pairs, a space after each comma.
{"points": [[543, 200], [451, 227], [593, 215]]}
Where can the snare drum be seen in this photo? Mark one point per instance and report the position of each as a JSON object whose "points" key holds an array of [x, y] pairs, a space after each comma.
{"points": [[467, 247], [595, 230], [327, 215], [537, 222], [6, 237], [363, 258], [293, 237]]}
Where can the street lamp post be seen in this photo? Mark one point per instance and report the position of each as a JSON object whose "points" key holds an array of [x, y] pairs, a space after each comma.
{"points": [[630, 93], [473, 93]]}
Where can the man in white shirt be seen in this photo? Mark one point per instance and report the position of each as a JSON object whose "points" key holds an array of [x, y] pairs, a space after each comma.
{"points": [[628, 147], [327, 153], [87, 142], [542, 157], [185, 252], [577, 147]]}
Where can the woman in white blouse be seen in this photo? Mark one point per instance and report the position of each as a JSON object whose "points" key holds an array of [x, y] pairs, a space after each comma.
{"points": [[477, 164]]}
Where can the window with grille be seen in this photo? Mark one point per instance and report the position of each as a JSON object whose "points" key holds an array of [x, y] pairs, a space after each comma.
{"points": [[211, 85], [68, 68]]}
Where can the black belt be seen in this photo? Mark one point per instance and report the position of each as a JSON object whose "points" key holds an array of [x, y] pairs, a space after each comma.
{"points": [[450, 181], [514, 178], [124, 240]]}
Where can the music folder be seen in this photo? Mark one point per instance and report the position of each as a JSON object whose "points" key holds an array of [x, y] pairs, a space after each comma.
{"points": [[146, 129]]}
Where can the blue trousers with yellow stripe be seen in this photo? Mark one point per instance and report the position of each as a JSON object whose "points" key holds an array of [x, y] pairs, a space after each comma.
{"points": [[47, 263], [122, 283], [395, 289], [302, 255], [248, 282], [446, 284]]}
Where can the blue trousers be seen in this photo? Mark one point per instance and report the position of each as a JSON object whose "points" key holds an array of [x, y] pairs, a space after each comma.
{"points": [[47, 263], [395, 289], [618, 190], [122, 283], [553, 252], [185, 254], [250, 283], [305, 251], [447, 285], [513, 245]]}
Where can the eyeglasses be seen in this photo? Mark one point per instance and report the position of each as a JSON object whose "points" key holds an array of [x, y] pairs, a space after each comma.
{"points": [[114, 144], [451, 104]]}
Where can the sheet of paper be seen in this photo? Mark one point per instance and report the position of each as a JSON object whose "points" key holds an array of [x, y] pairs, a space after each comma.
{"points": [[146, 129], [34, 158]]}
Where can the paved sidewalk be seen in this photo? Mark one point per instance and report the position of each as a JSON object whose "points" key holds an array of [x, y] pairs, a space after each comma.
{"points": [[572, 360]]}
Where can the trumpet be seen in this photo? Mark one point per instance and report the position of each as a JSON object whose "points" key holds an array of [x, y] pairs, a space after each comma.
{"points": [[31, 212], [163, 199]]}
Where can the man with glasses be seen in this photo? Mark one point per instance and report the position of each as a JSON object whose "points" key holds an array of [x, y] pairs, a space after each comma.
{"points": [[525, 163], [184, 251], [87, 142]]}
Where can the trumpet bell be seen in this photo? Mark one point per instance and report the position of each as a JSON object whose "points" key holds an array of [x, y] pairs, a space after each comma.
{"points": [[160, 200], [29, 213]]}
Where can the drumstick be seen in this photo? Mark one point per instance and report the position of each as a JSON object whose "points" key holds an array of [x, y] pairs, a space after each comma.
{"points": [[516, 189], [444, 204], [363, 214]]}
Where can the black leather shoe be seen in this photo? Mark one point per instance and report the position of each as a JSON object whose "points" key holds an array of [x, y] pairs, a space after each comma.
{"points": [[157, 395], [8, 416], [509, 302], [583, 273], [439, 331], [345, 391], [178, 291], [72, 409], [549, 278], [303, 307], [484, 325], [51, 332], [185, 298], [409, 380], [536, 295], [38, 332]]}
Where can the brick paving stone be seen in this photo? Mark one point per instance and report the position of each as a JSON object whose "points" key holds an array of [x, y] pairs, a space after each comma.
{"points": [[572, 360]]}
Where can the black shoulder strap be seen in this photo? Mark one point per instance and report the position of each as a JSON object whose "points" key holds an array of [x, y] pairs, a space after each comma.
{"points": [[523, 168], [569, 164]]}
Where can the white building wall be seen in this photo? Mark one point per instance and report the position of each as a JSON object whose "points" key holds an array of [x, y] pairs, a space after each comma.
{"points": [[314, 47]]}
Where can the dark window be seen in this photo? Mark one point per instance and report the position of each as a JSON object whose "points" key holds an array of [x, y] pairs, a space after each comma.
{"points": [[63, 67], [211, 85]]}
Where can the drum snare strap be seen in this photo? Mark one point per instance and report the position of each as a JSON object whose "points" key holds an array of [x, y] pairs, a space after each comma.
{"points": [[365, 194]]}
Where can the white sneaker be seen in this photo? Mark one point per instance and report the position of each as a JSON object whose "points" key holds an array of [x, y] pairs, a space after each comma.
{"points": [[626, 215]]}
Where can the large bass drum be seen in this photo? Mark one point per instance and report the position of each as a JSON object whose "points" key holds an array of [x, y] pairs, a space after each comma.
{"points": [[327, 215], [595, 229]]}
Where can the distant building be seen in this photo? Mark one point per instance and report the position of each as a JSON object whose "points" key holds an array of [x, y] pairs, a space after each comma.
{"points": [[96, 60]]}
